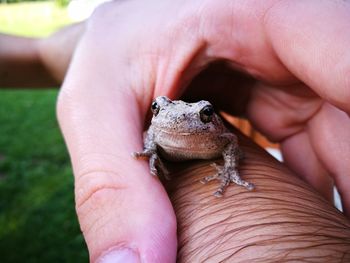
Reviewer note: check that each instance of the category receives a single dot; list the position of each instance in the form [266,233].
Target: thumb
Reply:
[124,213]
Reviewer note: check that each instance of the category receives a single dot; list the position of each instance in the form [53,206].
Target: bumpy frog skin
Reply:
[183,131]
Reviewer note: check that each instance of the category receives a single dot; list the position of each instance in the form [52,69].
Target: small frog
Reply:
[183,131]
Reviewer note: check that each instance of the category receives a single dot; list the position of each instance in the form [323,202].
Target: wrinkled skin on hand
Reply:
[295,91]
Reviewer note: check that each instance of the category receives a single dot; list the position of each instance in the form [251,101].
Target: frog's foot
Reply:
[141,155]
[210,177]
[147,155]
[156,165]
[235,178]
[226,176]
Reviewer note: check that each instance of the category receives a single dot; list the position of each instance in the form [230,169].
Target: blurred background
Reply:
[37,215]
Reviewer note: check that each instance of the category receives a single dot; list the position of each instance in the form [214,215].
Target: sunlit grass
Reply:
[32,19]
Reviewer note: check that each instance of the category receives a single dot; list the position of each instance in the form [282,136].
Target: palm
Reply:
[290,114]
[157,49]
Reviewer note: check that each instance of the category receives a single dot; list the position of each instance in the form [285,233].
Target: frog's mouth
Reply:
[187,152]
[177,133]
[200,142]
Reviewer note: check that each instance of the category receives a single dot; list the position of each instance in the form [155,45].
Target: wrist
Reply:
[283,217]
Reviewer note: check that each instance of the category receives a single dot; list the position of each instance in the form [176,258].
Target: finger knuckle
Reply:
[92,187]
[95,192]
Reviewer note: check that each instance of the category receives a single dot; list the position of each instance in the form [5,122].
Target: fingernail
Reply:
[117,255]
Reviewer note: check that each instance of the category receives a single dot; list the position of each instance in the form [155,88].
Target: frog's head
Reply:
[182,117]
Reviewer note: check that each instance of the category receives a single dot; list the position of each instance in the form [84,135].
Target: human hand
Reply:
[132,53]
[37,62]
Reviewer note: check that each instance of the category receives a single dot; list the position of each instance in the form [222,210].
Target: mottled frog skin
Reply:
[183,131]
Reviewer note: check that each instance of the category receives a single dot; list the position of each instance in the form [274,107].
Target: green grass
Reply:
[37,215]
[37,218]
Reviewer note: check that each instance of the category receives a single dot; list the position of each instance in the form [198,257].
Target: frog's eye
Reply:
[206,113]
[155,108]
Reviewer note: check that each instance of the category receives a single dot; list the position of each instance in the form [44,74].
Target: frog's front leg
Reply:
[228,173]
[149,152]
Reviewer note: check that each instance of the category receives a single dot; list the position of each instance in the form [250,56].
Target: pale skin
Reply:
[297,94]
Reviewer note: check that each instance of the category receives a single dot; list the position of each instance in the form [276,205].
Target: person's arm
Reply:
[132,53]
[21,64]
[282,220]
[33,62]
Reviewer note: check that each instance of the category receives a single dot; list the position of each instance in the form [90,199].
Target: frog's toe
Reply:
[218,168]
[140,155]
[153,171]
[136,155]
[209,178]
[237,180]
[225,181]
[218,193]
[250,186]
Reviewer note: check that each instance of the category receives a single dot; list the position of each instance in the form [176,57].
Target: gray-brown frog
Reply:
[183,131]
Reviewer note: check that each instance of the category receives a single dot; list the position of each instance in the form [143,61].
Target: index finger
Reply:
[312,39]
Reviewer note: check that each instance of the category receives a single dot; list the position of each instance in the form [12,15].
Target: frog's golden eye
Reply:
[206,114]
[155,108]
